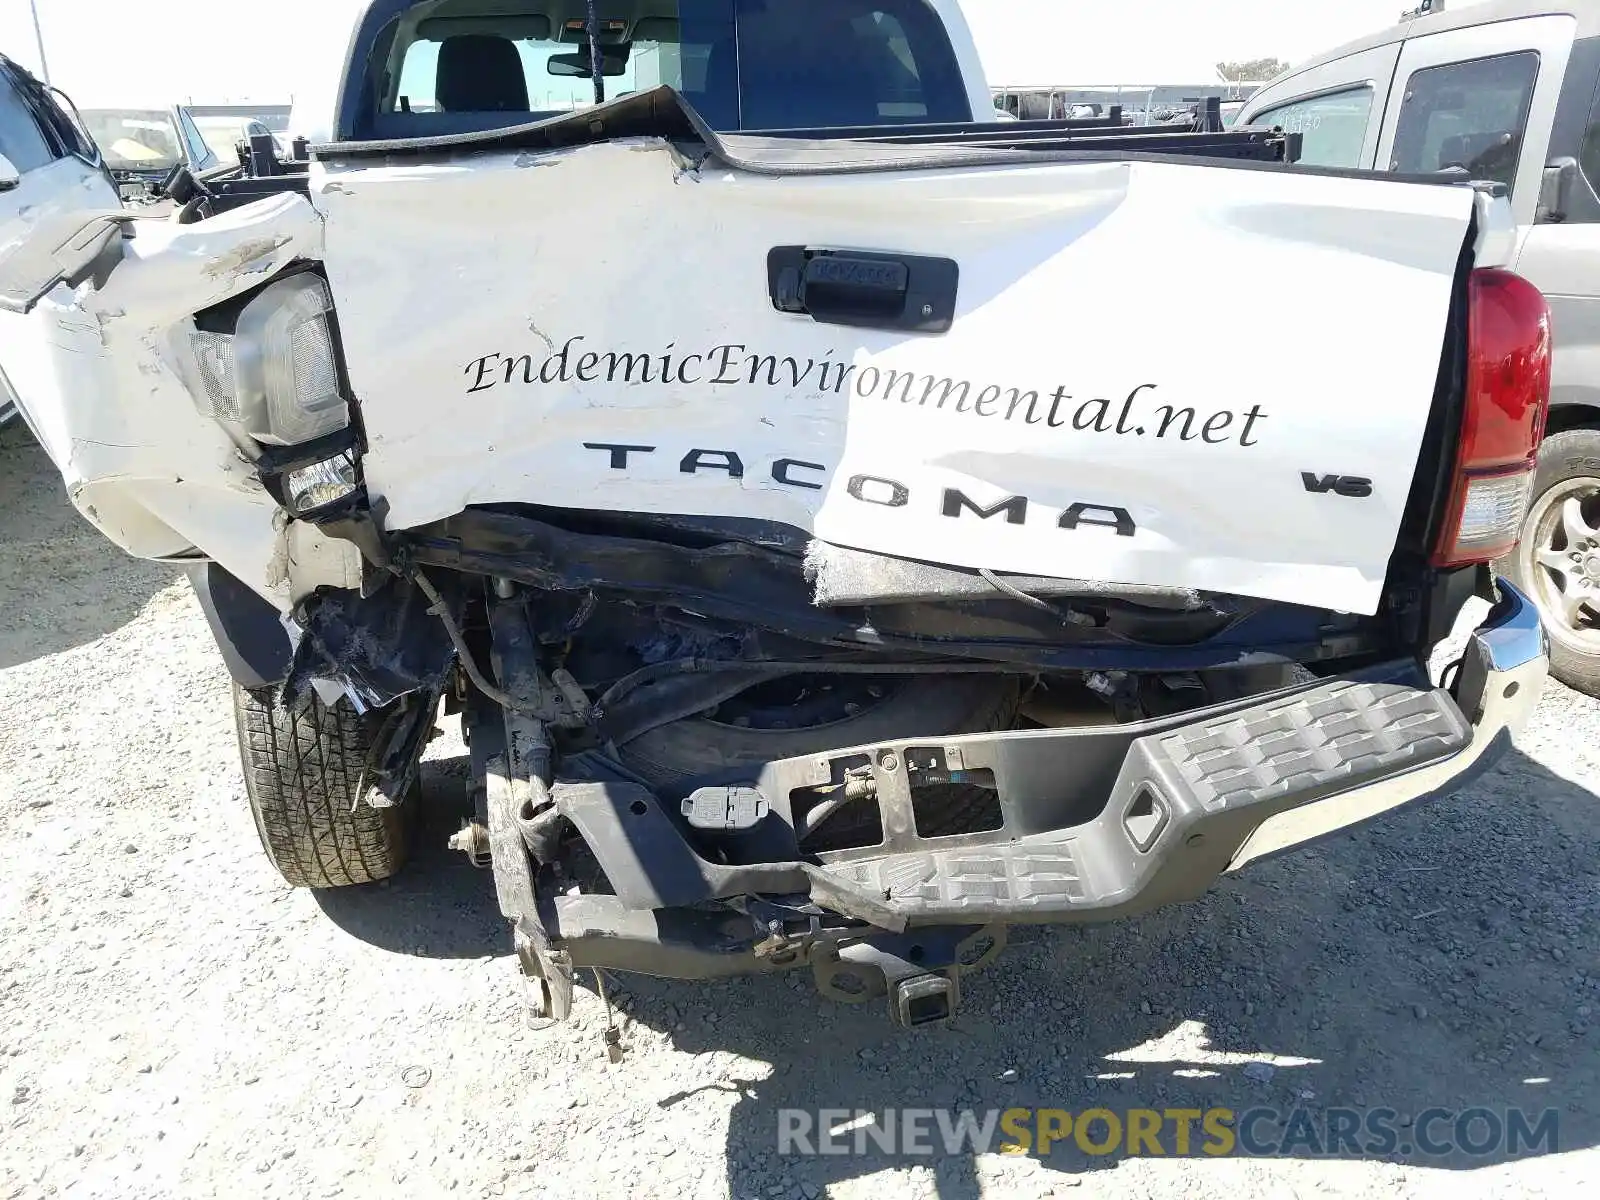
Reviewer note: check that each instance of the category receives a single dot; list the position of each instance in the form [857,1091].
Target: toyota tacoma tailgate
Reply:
[1017,366]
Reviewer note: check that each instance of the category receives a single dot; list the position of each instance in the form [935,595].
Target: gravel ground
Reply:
[176,1022]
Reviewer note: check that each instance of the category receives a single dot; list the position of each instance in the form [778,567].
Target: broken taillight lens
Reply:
[307,489]
[1508,398]
[284,361]
[277,373]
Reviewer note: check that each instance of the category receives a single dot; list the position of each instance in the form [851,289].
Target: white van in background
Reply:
[1507,91]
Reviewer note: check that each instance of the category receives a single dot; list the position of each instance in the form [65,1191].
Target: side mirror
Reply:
[9,176]
[577,66]
[1555,191]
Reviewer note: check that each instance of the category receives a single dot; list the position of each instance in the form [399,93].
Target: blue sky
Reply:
[217,51]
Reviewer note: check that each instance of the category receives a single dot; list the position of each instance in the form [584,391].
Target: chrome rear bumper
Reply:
[1501,677]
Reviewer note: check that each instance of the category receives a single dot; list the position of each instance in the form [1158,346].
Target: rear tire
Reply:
[303,773]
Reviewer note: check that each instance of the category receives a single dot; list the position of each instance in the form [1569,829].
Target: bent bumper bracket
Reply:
[1179,802]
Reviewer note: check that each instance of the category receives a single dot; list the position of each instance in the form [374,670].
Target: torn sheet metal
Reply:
[313,560]
[100,371]
[372,650]
[1081,419]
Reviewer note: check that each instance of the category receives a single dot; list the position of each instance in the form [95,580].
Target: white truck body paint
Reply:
[58,193]
[100,374]
[490,346]
[473,296]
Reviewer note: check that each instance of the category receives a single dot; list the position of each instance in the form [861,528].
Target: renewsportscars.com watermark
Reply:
[1172,1132]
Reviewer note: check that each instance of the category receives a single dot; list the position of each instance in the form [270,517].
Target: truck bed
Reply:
[663,112]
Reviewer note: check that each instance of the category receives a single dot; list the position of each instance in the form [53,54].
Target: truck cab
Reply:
[1507,91]
[456,66]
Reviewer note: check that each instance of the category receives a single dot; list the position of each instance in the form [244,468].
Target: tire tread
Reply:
[303,775]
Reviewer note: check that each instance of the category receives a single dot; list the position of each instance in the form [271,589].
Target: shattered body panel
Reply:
[152,471]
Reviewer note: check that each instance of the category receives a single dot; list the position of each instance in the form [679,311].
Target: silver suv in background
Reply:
[1507,91]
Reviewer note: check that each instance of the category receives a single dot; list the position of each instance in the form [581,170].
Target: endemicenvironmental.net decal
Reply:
[1139,412]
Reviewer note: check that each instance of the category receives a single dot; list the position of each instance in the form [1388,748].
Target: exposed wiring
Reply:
[706,666]
[464,652]
[1064,615]
[683,666]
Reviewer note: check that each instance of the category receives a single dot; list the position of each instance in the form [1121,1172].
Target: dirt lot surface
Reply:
[176,1022]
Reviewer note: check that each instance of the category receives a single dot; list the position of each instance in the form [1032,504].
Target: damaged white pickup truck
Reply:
[839,523]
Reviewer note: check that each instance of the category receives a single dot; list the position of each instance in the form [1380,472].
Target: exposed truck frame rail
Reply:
[1186,798]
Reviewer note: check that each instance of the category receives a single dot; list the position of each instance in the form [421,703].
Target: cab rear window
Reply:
[452,66]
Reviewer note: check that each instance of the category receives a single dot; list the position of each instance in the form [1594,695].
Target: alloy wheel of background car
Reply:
[1565,549]
[1558,560]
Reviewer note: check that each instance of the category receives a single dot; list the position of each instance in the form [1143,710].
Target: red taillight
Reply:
[1508,397]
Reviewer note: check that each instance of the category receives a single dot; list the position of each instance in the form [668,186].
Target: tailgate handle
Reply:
[868,289]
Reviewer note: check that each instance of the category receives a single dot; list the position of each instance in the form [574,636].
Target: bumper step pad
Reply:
[1336,738]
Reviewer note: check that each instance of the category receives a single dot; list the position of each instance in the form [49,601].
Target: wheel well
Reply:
[1566,417]
[254,644]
